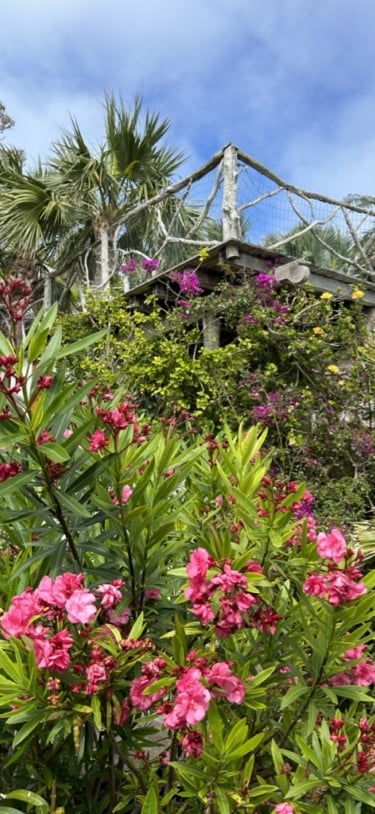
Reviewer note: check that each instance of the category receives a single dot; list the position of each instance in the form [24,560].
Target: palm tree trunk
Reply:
[102,259]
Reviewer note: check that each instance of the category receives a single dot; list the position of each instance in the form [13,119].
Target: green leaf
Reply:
[300,789]
[137,629]
[249,746]
[151,802]
[262,792]
[50,351]
[12,484]
[26,797]
[331,805]
[222,801]
[293,694]
[180,645]
[96,711]
[260,678]
[361,794]
[73,505]
[26,730]
[55,452]
[81,344]
[37,345]
[10,810]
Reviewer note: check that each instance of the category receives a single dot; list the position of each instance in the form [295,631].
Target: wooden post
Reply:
[211,332]
[230,214]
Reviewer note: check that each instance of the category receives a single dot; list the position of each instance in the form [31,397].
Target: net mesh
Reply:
[234,196]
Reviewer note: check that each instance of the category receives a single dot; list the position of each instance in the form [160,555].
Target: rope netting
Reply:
[233,196]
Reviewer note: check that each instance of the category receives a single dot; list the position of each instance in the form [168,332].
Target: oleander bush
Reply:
[178,634]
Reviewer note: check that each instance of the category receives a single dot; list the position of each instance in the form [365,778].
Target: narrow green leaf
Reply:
[81,344]
[10,810]
[73,505]
[260,678]
[137,628]
[26,797]
[96,711]
[293,694]
[25,731]
[249,746]
[55,452]
[151,802]
[37,345]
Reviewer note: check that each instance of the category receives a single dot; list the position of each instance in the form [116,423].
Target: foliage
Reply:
[176,636]
[5,121]
[289,359]
[70,213]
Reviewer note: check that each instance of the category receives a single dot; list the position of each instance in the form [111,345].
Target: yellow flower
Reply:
[326,295]
[318,330]
[333,369]
[357,294]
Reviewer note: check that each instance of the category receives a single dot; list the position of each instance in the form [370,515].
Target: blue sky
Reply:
[292,82]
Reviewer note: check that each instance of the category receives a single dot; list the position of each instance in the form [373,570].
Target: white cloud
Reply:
[289,82]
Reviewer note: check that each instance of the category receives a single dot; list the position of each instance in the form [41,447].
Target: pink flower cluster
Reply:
[9,470]
[15,295]
[336,585]
[366,751]
[46,616]
[220,596]
[192,691]
[273,495]
[10,381]
[362,674]
[188,282]
[146,264]
[119,418]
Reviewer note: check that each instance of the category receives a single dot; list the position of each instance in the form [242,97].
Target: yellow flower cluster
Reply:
[357,294]
[333,369]
[318,330]
[326,295]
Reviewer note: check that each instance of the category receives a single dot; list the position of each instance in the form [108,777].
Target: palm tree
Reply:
[324,246]
[70,214]
[131,166]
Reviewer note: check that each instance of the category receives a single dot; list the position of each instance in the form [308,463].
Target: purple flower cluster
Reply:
[188,282]
[265,281]
[277,405]
[145,264]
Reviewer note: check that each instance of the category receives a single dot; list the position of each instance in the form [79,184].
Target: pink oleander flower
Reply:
[9,470]
[52,653]
[121,716]
[341,588]
[363,674]
[220,675]
[331,546]
[336,586]
[80,606]
[191,701]
[199,564]
[137,697]
[56,592]
[126,493]
[192,744]
[118,618]
[355,652]
[283,808]
[152,593]
[96,675]
[45,382]
[110,595]
[17,620]
[98,441]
